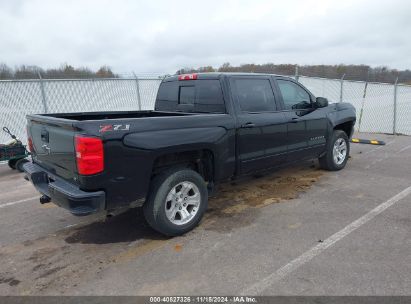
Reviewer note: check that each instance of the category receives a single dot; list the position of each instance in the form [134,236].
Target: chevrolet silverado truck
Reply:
[205,128]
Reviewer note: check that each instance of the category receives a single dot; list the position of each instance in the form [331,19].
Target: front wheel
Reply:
[177,201]
[338,150]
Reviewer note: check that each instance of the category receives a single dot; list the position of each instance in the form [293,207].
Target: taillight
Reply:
[30,144]
[29,140]
[89,155]
[187,77]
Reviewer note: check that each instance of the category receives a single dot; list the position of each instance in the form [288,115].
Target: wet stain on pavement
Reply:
[237,204]
[139,249]
[9,280]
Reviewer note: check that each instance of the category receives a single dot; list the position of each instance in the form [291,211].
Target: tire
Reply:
[12,163]
[20,163]
[174,214]
[328,161]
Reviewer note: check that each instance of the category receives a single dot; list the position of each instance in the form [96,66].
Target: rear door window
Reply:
[255,95]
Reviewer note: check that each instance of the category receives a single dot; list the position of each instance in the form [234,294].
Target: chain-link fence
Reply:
[21,97]
[380,107]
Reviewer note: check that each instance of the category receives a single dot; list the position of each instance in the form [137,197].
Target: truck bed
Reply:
[52,136]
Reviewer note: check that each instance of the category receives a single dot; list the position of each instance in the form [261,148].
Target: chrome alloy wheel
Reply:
[182,203]
[339,151]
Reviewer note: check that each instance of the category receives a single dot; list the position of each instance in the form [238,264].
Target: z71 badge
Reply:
[111,128]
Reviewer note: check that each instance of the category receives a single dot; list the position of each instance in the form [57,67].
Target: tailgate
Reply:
[53,143]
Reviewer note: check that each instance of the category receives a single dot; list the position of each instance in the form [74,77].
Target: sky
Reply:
[162,36]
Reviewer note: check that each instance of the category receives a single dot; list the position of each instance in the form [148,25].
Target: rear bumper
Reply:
[63,193]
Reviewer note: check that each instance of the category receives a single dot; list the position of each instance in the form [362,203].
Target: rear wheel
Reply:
[177,201]
[20,163]
[12,163]
[338,150]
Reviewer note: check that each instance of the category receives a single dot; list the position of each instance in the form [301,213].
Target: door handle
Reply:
[248,125]
[294,120]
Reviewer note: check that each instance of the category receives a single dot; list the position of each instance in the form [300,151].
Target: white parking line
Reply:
[403,149]
[18,202]
[279,274]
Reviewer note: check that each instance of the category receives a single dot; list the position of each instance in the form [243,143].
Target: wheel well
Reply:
[201,161]
[347,127]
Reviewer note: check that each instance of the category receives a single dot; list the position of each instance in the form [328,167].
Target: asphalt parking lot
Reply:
[296,231]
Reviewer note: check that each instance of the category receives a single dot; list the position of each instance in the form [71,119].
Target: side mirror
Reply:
[321,102]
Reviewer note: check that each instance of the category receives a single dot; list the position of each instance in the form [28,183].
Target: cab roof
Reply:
[218,75]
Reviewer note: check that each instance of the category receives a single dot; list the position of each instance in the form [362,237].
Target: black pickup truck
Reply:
[205,128]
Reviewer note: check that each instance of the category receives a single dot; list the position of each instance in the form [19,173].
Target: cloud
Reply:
[162,36]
